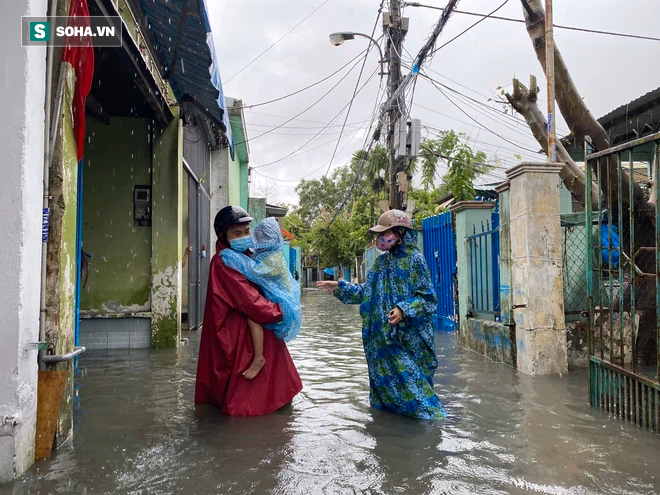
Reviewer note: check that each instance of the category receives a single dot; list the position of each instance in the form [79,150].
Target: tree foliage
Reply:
[334,213]
[463,164]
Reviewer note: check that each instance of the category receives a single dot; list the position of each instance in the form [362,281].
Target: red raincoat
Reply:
[226,348]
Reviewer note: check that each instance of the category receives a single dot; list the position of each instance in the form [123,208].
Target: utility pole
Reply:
[550,78]
[396,35]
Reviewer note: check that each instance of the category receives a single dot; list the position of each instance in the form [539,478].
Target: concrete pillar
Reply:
[466,215]
[219,185]
[505,252]
[166,232]
[22,86]
[536,269]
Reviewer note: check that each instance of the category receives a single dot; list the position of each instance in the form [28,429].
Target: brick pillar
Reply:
[536,269]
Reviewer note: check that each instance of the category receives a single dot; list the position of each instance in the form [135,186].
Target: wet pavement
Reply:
[137,430]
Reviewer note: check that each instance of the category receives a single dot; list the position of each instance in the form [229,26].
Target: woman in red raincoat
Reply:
[226,346]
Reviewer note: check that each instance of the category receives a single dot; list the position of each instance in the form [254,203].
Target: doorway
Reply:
[197,223]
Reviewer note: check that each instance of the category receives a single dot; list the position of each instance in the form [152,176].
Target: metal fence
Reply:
[440,254]
[574,259]
[623,275]
[484,264]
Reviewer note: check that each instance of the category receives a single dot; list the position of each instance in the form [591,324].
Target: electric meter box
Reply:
[142,206]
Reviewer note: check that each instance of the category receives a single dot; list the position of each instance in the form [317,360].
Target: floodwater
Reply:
[137,430]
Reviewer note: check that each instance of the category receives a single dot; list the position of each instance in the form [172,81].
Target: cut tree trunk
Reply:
[577,115]
[524,101]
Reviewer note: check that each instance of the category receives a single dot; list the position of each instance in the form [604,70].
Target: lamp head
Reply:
[338,38]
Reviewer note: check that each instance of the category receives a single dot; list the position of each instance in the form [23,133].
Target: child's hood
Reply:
[267,236]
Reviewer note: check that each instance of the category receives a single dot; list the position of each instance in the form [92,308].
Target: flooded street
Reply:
[137,430]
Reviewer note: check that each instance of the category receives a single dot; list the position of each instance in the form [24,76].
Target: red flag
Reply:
[81,59]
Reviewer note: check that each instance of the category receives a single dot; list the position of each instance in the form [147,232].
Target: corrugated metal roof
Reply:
[633,120]
[194,74]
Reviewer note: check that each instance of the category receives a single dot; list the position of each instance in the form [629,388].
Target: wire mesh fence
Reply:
[574,256]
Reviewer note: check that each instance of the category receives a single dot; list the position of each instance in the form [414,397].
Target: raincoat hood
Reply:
[408,244]
[267,236]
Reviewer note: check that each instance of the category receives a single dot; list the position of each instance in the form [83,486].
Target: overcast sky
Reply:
[488,56]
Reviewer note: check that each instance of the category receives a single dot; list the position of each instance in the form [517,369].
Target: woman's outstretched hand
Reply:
[328,286]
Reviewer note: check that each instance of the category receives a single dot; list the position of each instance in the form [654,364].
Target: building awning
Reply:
[276,211]
[182,33]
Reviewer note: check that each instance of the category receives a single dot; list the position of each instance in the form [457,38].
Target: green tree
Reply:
[347,197]
[375,172]
[463,164]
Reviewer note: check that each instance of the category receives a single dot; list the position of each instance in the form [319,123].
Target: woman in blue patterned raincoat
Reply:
[397,304]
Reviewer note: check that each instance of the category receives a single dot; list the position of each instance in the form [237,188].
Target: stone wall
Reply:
[491,339]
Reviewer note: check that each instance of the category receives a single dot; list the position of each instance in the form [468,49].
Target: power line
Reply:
[353,124]
[478,143]
[322,130]
[296,134]
[304,111]
[425,52]
[357,84]
[501,115]
[271,46]
[558,26]
[476,121]
[515,143]
[313,171]
[469,28]
[303,89]
[496,118]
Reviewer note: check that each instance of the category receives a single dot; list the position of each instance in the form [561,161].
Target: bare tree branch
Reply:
[524,101]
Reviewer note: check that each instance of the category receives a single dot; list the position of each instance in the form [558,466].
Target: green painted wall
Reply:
[245,186]
[185,243]
[120,268]
[286,250]
[167,235]
[239,180]
[257,210]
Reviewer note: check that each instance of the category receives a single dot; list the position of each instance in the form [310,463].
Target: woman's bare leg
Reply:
[257,332]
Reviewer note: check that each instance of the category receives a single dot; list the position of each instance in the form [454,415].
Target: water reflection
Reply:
[137,430]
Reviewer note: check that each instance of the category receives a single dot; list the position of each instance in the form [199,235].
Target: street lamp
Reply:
[338,39]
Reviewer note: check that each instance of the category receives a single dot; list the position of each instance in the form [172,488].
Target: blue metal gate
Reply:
[293,261]
[484,264]
[440,254]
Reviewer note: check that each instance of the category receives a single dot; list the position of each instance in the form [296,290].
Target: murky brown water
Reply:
[137,431]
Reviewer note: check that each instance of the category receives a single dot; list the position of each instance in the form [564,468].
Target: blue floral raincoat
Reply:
[401,358]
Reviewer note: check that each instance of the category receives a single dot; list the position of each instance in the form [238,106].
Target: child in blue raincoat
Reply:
[268,269]
[397,304]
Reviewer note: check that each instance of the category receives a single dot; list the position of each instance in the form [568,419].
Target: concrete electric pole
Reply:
[395,31]
[550,78]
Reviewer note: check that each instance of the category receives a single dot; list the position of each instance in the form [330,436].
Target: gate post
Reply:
[536,269]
